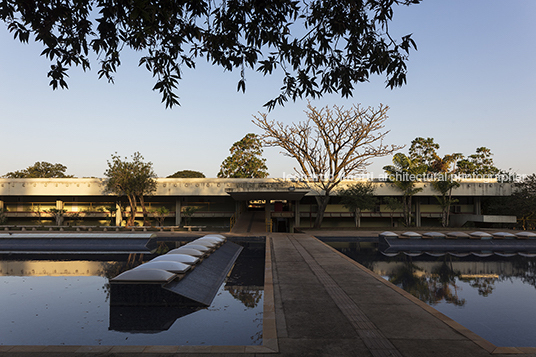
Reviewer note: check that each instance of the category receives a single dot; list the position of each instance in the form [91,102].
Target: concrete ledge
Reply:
[32,349]
[94,349]
[61,349]
[269,329]
[128,349]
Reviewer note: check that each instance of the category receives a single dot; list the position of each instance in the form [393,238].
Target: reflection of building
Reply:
[217,202]
[51,268]
[474,269]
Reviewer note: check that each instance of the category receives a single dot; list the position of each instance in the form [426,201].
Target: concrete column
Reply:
[178,211]
[118,215]
[417,212]
[238,209]
[478,205]
[267,212]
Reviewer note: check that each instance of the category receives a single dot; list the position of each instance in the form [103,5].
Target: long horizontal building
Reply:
[217,203]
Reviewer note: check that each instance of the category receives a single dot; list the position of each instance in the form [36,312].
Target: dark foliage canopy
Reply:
[40,169]
[245,159]
[319,46]
[187,174]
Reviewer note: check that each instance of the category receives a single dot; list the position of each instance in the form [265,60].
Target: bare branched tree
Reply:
[331,145]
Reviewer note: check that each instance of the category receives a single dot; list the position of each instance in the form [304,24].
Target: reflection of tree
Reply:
[257,336]
[483,285]
[525,269]
[442,280]
[432,289]
[406,279]
[250,298]
[112,269]
[363,253]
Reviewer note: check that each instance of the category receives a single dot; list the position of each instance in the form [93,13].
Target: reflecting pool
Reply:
[66,302]
[493,296]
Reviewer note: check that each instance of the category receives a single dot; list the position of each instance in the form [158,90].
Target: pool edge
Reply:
[475,338]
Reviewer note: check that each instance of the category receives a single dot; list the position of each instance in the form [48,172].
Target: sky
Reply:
[471,83]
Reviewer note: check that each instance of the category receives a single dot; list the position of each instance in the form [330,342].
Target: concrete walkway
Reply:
[318,302]
[328,305]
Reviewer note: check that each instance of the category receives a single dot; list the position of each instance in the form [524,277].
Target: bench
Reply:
[199,228]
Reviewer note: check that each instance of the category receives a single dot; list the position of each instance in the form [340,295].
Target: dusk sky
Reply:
[471,83]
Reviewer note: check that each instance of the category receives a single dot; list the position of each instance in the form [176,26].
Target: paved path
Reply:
[328,305]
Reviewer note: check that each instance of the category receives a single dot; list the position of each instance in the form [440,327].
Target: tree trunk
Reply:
[449,202]
[357,217]
[444,216]
[322,202]
[144,210]
[407,210]
[133,209]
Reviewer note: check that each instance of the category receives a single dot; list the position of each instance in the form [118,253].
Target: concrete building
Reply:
[218,203]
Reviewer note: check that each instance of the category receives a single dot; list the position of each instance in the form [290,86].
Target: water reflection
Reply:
[492,296]
[67,302]
[146,319]
[430,287]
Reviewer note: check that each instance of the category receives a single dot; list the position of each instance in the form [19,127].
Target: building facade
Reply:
[217,203]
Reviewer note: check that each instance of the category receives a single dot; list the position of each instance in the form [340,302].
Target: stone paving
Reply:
[328,305]
[320,303]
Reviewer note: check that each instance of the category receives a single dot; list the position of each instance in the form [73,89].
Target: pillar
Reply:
[417,212]
[296,214]
[178,211]
[267,214]
[238,209]
[118,215]
[59,204]
[478,205]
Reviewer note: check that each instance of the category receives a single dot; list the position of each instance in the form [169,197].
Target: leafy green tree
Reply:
[160,214]
[245,160]
[133,179]
[393,204]
[441,169]
[318,47]
[112,213]
[332,144]
[358,197]
[444,183]
[479,164]
[188,212]
[59,215]
[404,173]
[41,170]
[522,203]
[187,174]
[423,151]
[445,200]
[3,216]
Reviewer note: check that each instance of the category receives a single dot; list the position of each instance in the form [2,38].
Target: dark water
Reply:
[494,296]
[66,302]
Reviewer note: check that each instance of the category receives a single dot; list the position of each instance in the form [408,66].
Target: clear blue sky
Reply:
[471,83]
